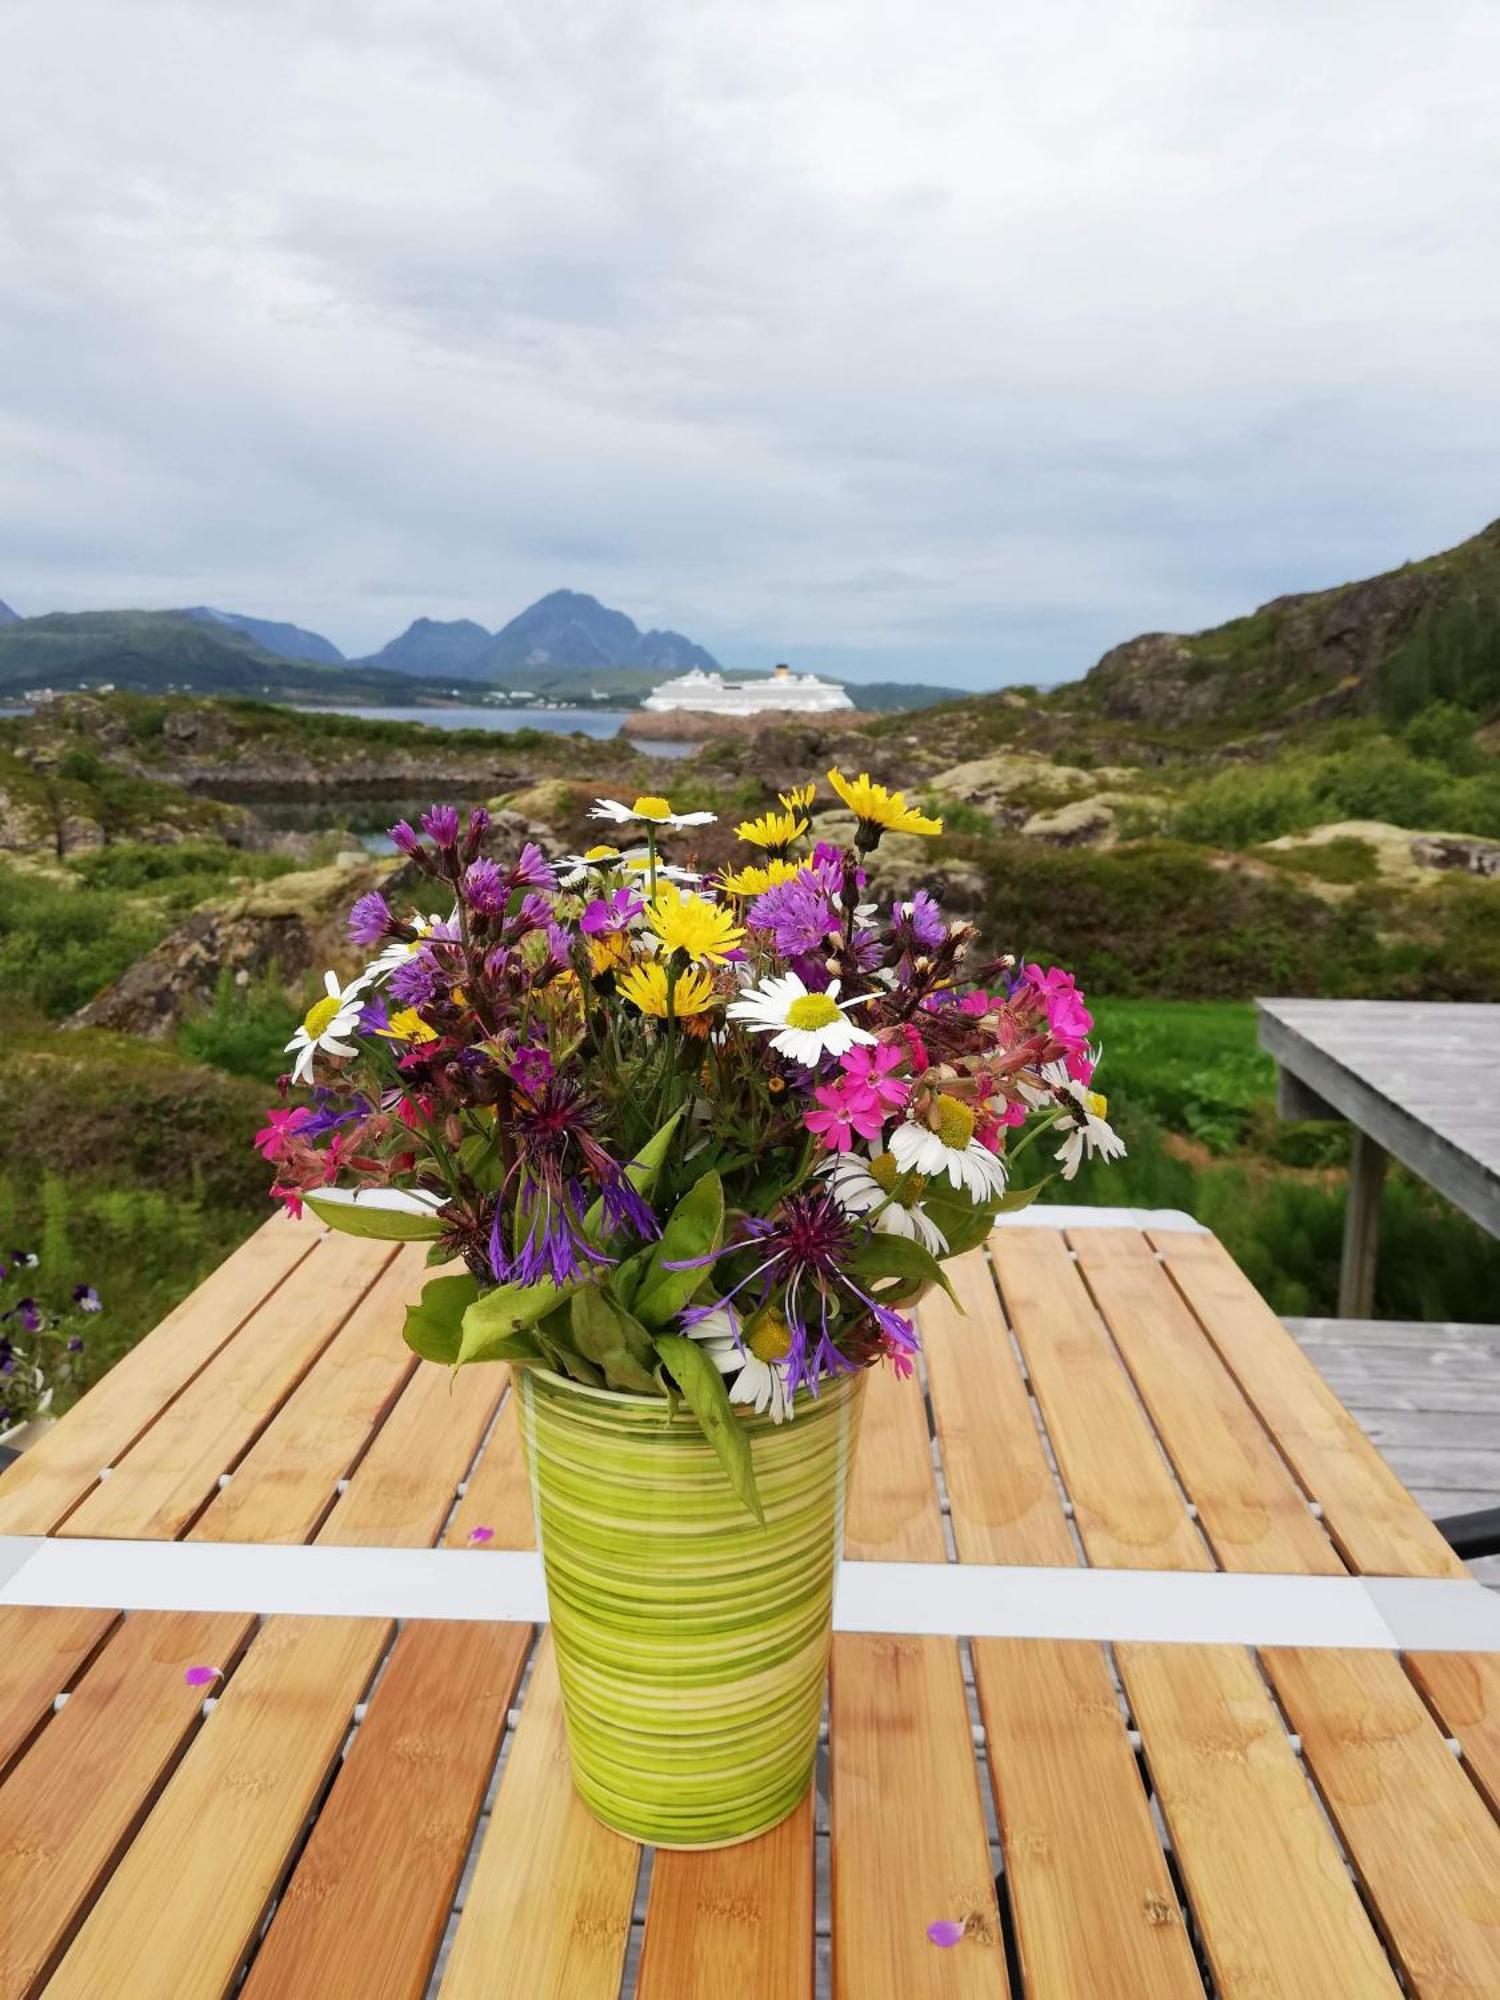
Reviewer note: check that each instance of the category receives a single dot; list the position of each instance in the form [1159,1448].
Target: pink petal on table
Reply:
[481,1534]
[197,1677]
[945,1932]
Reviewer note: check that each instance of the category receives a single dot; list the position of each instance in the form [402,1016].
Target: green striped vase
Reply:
[692,1643]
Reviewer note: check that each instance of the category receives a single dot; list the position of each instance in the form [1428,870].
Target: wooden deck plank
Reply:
[1275,1906]
[288,1479]
[165,1479]
[894,1514]
[364,1913]
[908,1837]
[181,1908]
[42,1651]
[547,1916]
[1094,1904]
[1003,1501]
[498,1496]
[60,1468]
[733,1920]
[1374,1521]
[1249,1506]
[1417,1831]
[1126,1506]
[73,1803]
[1463,1691]
[403,1488]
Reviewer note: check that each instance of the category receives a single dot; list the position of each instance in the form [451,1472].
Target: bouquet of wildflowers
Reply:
[40,1348]
[693,1137]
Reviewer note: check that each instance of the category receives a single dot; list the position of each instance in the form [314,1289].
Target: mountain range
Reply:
[564,630]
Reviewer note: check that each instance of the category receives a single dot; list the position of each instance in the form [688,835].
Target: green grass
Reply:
[1191,1094]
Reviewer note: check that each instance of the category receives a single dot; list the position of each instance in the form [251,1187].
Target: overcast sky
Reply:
[958,340]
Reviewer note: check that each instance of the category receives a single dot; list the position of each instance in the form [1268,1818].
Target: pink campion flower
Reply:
[275,1137]
[916,1049]
[846,1112]
[946,1933]
[1069,1020]
[608,914]
[1081,1064]
[197,1677]
[870,1070]
[290,1200]
[481,1535]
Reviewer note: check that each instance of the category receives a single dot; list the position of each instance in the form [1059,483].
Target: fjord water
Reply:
[490,716]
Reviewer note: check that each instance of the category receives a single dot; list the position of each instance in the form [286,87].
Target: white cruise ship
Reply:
[781,692]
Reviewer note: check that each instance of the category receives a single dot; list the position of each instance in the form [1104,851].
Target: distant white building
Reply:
[781,692]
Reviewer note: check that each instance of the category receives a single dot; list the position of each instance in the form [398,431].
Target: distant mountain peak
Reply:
[7,616]
[567,631]
[287,642]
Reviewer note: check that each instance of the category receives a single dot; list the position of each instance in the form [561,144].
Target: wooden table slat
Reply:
[497,1496]
[1376,1524]
[181,1909]
[42,1650]
[60,1468]
[1275,1906]
[367,1905]
[1003,1501]
[158,1487]
[1463,1690]
[908,1838]
[734,1921]
[1249,1506]
[547,1916]
[74,1803]
[288,1479]
[1094,1904]
[1125,1503]
[1420,1835]
[893,1513]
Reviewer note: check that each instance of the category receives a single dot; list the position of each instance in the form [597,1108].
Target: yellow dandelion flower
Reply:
[610,952]
[407,1025]
[799,798]
[693,924]
[774,831]
[756,881]
[645,986]
[879,811]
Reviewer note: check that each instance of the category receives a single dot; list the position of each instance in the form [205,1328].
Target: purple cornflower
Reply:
[415,983]
[626,1208]
[86,1299]
[329,1112]
[370,920]
[918,925]
[405,838]
[485,889]
[440,823]
[611,913]
[805,1252]
[555,1147]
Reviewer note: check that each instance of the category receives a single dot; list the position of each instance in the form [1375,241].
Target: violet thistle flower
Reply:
[406,840]
[918,925]
[440,823]
[415,984]
[532,869]
[370,921]
[484,888]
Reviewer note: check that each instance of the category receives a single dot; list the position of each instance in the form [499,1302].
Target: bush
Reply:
[244,1032]
[59,945]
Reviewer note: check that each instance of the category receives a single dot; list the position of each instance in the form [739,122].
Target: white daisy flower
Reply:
[803,1026]
[335,1015]
[653,811]
[575,869]
[950,1148]
[860,1185]
[399,950]
[1091,1135]
[758,1379]
[638,862]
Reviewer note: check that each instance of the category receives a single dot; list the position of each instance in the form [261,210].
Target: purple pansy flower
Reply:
[86,1298]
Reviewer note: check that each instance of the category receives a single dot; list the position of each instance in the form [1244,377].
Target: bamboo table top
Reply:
[379,1806]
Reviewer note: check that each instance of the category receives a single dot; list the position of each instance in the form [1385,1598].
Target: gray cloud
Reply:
[962,341]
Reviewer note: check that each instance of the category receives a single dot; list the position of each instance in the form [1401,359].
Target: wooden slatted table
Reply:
[379,1806]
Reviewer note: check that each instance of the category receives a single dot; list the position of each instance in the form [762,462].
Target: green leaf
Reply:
[493,1321]
[703,1387]
[641,1172]
[613,1340]
[479,1157]
[694,1230]
[359,1214]
[434,1323]
[882,1255]
[965,1223]
[1019,1198]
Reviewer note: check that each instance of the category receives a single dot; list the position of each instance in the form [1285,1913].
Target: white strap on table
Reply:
[972,1600]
